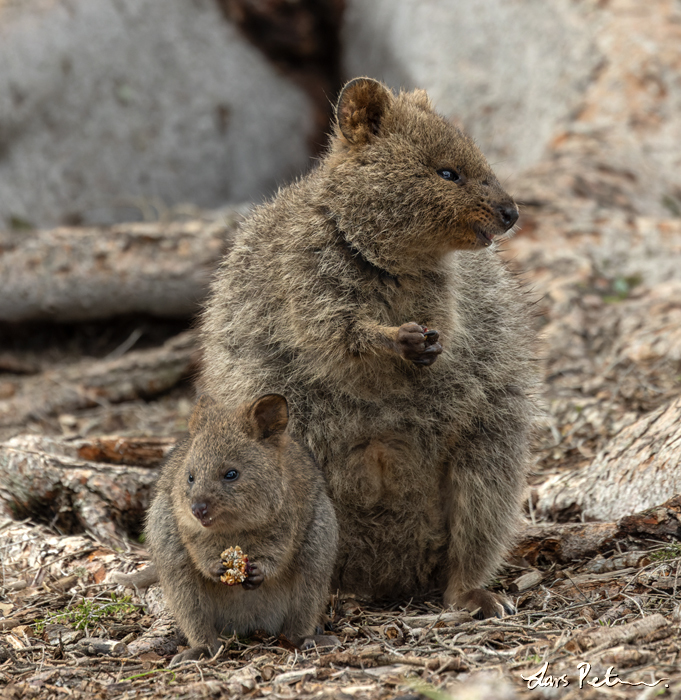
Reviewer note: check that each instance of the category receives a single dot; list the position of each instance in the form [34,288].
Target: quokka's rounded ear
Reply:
[200,413]
[268,416]
[361,108]
[421,99]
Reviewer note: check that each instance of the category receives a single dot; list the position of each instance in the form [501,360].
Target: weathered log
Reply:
[526,581]
[638,468]
[564,542]
[39,480]
[138,374]
[660,521]
[606,636]
[93,646]
[77,274]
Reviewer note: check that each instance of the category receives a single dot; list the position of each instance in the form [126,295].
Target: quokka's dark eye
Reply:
[190,479]
[449,174]
[232,475]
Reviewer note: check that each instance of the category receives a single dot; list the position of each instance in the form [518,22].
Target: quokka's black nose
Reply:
[508,214]
[200,510]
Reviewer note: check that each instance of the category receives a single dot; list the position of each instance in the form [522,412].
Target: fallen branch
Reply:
[142,578]
[92,646]
[78,274]
[369,658]
[138,374]
[564,542]
[605,637]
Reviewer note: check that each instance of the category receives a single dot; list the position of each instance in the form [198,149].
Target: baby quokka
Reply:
[239,479]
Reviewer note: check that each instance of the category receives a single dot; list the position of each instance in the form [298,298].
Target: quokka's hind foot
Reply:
[193,654]
[320,641]
[483,604]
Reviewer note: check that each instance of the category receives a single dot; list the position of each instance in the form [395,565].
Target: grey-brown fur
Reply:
[319,301]
[277,511]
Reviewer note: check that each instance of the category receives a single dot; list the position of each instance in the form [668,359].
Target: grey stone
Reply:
[109,104]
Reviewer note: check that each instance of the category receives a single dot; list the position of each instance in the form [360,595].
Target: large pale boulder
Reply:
[106,103]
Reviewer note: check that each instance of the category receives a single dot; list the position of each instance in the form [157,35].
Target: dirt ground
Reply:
[616,611]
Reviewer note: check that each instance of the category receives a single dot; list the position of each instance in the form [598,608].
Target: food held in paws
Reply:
[236,563]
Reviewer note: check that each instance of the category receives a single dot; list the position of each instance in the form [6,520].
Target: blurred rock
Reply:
[510,72]
[107,106]
[302,39]
[621,148]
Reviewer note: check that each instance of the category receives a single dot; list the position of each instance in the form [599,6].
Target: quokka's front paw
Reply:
[254,576]
[418,344]
[216,570]
[483,604]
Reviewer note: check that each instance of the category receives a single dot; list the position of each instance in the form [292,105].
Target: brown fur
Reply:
[277,511]
[324,298]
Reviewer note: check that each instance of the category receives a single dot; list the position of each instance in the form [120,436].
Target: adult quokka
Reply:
[371,295]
